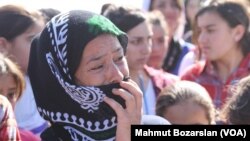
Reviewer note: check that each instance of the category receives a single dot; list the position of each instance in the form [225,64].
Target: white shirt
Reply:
[149,99]
[26,112]
[187,61]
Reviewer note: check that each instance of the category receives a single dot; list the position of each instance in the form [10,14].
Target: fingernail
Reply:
[105,98]
[114,90]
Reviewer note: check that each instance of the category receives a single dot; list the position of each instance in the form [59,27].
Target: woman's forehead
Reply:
[209,18]
[101,45]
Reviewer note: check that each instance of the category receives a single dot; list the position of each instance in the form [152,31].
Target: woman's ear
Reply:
[4,45]
[239,31]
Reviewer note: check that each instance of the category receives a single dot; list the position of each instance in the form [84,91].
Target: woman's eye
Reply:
[119,59]
[97,68]
[136,42]
[210,30]
[11,95]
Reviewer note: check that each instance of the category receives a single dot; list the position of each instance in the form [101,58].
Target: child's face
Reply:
[20,46]
[8,88]
[159,47]
[171,11]
[186,113]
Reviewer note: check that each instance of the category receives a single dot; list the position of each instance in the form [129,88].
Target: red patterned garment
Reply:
[204,74]
[8,126]
[160,78]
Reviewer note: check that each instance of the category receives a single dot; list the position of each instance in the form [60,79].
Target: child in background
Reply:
[186,103]
[173,11]
[237,108]
[19,25]
[223,37]
[11,86]
[8,125]
[160,39]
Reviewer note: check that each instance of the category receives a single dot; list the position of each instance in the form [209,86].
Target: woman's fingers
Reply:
[133,89]
[133,100]
[119,110]
[123,119]
[129,98]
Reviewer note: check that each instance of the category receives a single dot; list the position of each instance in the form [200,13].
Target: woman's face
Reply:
[139,46]
[103,62]
[159,47]
[186,113]
[8,88]
[193,7]
[170,10]
[20,46]
[215,38]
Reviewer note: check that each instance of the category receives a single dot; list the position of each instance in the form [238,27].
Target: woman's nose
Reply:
[201,38]
[114,74]
[147,47]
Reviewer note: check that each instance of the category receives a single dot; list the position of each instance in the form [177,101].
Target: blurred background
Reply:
[65,5]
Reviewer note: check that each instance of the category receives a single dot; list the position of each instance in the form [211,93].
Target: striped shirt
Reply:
[204,74]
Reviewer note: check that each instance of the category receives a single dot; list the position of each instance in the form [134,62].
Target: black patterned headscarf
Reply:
[75,112]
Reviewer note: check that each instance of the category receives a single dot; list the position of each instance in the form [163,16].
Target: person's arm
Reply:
[133,112]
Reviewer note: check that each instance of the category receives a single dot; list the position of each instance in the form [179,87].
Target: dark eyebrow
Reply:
[99,57]
[210,25]
[12,89]
[117,50]
[140,37]
[135,38]
[95,58]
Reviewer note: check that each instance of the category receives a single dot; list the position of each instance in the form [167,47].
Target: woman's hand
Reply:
[132,114]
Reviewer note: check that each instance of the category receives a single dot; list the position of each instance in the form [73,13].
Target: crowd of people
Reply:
[80,75]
